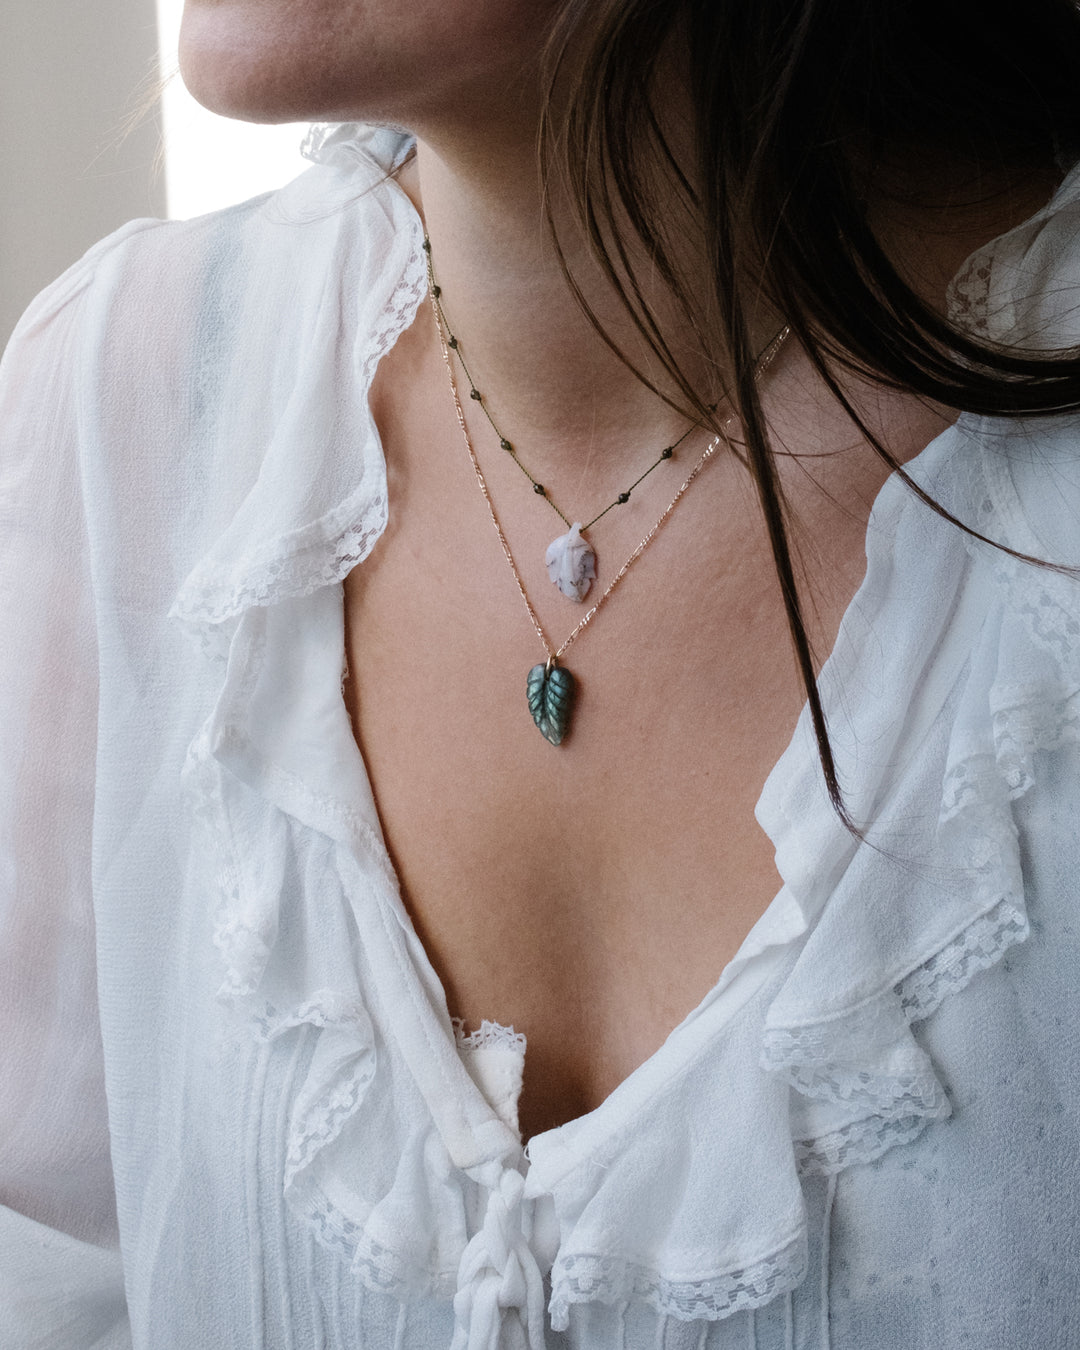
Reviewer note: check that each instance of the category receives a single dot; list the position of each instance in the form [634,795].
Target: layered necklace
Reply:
[570,559]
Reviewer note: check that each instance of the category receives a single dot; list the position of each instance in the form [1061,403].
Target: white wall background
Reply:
[70,72]
[210,161]
[72,75]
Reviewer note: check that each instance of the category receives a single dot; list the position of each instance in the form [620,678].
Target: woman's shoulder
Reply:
[1022,290]
[1030,473]
[1013,484]
[342,224]
[221,363]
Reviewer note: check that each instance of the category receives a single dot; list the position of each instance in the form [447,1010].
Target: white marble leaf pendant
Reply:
[571,563]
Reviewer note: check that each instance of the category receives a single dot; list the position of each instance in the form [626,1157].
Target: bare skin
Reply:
[589,895]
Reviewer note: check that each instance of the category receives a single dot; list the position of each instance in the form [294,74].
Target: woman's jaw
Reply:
[420,65]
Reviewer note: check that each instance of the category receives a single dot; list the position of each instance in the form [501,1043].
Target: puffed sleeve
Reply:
[61,1281]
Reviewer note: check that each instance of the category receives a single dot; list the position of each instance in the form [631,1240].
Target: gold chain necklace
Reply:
[549,686]
[570,559]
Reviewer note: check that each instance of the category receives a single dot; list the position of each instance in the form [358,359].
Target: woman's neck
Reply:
[548,377]
[545,372]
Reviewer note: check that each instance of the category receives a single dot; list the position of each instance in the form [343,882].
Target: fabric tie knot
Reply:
[499,1281]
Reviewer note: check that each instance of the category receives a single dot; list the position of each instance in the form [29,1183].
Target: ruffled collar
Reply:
[312,514]
[1005,292]
[289,542]
[395,1156]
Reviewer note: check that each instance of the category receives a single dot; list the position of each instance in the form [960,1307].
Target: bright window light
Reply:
[212,161]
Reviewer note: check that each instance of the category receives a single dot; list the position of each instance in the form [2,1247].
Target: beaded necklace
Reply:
[571,558]
[549,686]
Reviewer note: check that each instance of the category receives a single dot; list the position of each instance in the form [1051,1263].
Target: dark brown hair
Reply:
[792,106]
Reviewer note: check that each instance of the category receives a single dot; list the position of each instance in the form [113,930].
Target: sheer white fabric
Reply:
[235,1109]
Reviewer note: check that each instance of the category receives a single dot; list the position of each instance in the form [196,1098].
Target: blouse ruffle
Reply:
[954,667]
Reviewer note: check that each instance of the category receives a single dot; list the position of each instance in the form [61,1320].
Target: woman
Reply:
[806,1084]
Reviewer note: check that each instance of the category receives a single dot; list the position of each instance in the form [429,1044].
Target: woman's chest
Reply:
[589,894]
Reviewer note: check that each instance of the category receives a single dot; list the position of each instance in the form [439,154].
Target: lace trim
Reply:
[212,598]
[490,1034]
[1036,720]
[324,1115]
[1045,601]
[384,1271]
[860,1142]
[243,942]
[891,1096]
[378,1267]
[1052,626]
[587,1278]
[1033,716]
[821,1061]
[212,594]
[980,946]
[244,938]
[828,1060]
[969,297]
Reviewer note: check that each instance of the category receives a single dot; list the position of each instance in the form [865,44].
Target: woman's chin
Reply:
[240,70]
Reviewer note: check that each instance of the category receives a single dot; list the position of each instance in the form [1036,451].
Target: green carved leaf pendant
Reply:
[551,700]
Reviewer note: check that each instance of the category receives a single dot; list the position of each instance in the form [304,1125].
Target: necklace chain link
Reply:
[554,654]
[505,443]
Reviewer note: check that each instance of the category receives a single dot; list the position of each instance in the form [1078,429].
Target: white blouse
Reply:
[235,1112]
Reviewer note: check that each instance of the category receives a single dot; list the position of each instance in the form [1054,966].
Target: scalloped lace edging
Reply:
[384,1271]
[243,939]
[575,1279]
[586,1278]
[1028,717]
[1039,720]
[489,1034]
[859,1142]
[1053,624]
[211,598]
[297,567]
[980,945]
[968,296]
[892,1097]
[375,1265]
[325,1121]
[828,1062]
[378,1267]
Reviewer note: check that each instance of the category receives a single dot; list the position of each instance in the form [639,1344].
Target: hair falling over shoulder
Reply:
[795,115]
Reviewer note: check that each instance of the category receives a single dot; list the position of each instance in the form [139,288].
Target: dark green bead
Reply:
[666,454]
[476,394]
[427,244]
[623,498]
[451,341]
[506,445]
[539,489]
[436,291]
